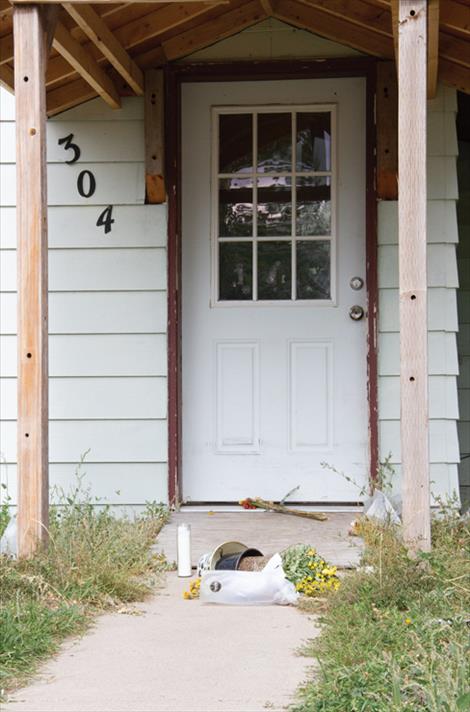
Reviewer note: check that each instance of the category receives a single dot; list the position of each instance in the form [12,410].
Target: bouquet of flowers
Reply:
[306,569]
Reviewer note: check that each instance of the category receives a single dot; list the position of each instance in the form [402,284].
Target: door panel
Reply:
[273,231]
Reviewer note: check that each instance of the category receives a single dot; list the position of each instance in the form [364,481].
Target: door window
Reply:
[274,205]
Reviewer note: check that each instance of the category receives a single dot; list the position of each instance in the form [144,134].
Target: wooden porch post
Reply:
[30,39]
[412,71]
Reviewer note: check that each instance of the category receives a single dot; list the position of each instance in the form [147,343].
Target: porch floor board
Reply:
[267,531]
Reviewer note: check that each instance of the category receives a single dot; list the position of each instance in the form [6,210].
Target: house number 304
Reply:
[86,182]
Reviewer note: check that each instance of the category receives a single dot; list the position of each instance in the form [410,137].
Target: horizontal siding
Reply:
[119,483]
[96,312]
[107,440]
[442,354]
[121,183]
[442,266]
[95,270]
[96,355]
[75,227]
[441,222]
[98,141]
[443,398]
[442,310]
[107,308]
[443,324]
[98,398]
[443,441]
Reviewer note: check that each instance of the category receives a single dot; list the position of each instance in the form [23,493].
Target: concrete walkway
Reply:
[183,656]
[177,656]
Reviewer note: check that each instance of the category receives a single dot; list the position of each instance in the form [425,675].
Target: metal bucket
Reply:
[231,562]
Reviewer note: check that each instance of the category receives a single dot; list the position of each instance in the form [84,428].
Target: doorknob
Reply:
[356,312]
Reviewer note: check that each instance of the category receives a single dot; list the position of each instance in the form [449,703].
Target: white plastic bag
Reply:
[8,544]
[249,588]
[380,507]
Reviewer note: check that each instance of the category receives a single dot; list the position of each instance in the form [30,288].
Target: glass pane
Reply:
[313,269]
[313,211]
[235,270]
[235,207]
[235,143]
[274,270]
[313,142]
[274,143]
[274,207]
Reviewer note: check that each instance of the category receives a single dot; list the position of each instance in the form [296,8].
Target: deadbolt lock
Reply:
[356,283]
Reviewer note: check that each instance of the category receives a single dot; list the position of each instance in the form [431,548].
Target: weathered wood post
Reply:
[30,42]
[412,91]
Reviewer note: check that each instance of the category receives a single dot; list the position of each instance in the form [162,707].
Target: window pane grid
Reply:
[281,190]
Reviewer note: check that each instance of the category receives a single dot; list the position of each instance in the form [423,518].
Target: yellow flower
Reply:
[407,621]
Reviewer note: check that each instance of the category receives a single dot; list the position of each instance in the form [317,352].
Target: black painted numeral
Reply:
[67,143]
[90,188]
[106,219]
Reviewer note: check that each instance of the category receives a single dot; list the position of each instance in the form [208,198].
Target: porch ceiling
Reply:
[103,48]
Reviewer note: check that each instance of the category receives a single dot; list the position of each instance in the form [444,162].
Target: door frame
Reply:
[177,75]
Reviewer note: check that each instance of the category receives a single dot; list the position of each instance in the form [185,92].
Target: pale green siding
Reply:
[443,321]
[107,322]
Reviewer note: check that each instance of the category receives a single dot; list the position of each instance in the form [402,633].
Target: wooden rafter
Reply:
[359,13]
[85,65]
[267,7]
[102,37]
[98,2]
[69,95]
[454,75]
[433,46]
[334,28]
[225,25]
[7,77]
[455,18]
[137,31]
[6,49]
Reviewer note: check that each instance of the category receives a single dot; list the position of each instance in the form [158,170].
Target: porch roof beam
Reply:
[335,28]
[143,29]
[225,25]
[412,251]
[85,65]
[101,2]
[7,78]
[30,33]
[102,37]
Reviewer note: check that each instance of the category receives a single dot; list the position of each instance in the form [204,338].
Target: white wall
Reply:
[108,387]
[443,322]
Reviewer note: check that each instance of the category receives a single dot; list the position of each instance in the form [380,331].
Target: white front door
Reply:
[273,259]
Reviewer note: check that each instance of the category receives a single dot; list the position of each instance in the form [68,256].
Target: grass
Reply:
[95,561]
[395,637]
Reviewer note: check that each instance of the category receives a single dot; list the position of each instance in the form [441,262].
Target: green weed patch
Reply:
[396,636]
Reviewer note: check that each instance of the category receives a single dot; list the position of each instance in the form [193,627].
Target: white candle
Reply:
[184,550]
